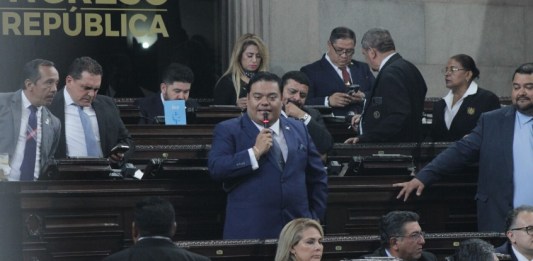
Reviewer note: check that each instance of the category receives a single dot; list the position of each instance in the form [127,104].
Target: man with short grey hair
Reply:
[519,226]
[393,111]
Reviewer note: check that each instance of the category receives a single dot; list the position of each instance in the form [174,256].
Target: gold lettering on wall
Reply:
[94,18]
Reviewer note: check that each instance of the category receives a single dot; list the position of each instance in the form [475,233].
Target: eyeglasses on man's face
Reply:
[415,236]
[451,70]
[528,229]
[340,51]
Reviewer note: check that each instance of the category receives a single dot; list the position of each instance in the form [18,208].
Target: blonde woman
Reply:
[300,240]
[249,56]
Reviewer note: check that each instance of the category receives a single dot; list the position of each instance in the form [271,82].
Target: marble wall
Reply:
[496,33]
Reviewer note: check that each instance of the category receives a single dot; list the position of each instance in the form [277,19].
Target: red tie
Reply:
[345,76]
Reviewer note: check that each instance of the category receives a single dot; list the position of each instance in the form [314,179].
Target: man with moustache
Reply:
[268,164]
[92,123]
[402,237]
[294,90]
[335,72]
[30,133]
[502,144]
[175,84]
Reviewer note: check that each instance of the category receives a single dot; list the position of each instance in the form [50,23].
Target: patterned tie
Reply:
[27,169]
[345,76]
[276,152]
[90,138]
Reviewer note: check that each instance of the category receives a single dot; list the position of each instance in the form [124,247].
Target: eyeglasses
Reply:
[528,229]
[451,70]
[340,52]
[415,236]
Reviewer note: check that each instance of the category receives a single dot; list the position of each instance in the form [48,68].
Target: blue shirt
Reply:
[523,160]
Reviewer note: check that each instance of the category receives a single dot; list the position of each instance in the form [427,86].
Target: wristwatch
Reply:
[305,117]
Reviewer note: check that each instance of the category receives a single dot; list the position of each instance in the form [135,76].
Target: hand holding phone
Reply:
[352,89]
[120,148]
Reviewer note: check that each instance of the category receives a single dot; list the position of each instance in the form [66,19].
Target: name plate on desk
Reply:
[175,112]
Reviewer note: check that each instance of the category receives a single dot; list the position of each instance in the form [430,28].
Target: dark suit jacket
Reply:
[491,144]
[325,81]
[10,117]
[465,119]
[318,131]
[110,126]
[426,256]
[151,106]
[151,249]
[507,249]
[393,111]
[265,199]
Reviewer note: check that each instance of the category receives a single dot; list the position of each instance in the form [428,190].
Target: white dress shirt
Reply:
[278,135]
[451,110]
[75,136]
[18,156]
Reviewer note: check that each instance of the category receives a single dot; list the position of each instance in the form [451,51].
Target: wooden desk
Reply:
[335,247]
[201,115]
[73,220]
[87,220]
[171,135]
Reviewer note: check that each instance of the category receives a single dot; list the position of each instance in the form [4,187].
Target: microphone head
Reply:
[265,119]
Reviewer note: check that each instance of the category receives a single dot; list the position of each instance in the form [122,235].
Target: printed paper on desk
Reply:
[175,112]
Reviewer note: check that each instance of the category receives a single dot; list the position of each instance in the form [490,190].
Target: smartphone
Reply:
[120,148]
[354,88]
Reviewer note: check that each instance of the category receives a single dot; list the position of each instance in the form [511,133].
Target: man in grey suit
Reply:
[294,90]
[92,123]
[16,108]
[502,143]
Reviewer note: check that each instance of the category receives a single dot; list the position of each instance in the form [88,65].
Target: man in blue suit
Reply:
[502,143]
[269,166]
[332,75]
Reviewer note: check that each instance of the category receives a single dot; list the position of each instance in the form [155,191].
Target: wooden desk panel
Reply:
[335,247]
[91,219]
[85,220]
[171,135]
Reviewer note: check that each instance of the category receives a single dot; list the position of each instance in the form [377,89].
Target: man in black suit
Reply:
[294,90]
[335,72]
[175,84]
[519,226]
[402,237]
[393,110]
[92,123]
[154,224]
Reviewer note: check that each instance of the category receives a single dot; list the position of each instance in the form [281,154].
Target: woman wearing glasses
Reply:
[455,115]
[249,56]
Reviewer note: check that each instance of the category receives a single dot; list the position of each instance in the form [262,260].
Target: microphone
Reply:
[265,119]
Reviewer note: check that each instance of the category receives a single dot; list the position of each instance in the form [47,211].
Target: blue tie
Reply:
[276,152]
[90,138]
[27,169]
